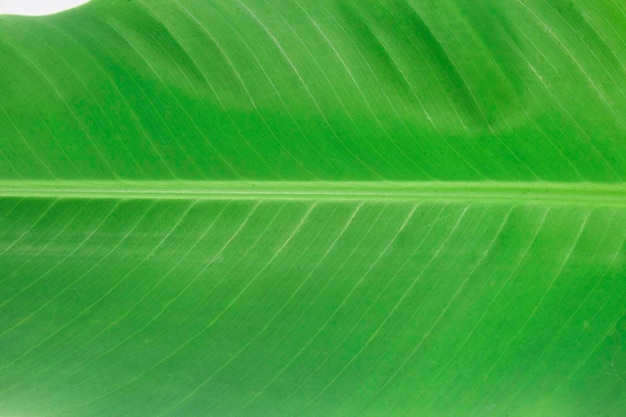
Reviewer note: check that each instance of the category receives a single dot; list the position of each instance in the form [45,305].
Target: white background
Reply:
[37,7]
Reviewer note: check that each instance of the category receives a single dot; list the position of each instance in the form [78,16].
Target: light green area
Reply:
[185,307]
[244,208]
[569,194]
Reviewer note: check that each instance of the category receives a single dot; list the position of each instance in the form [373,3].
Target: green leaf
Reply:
[336,208]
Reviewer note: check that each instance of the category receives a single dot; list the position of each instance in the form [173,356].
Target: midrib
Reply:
[492,192]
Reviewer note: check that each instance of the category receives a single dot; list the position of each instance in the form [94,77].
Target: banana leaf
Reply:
[335,208]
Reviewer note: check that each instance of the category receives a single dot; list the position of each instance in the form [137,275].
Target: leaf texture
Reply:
[336,90]
[338,208]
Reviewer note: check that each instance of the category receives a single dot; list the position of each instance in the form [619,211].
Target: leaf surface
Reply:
[335,208]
